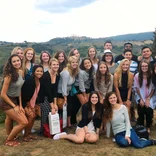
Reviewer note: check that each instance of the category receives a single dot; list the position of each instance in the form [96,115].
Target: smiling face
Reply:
[45,57]
[146,53]
[112,99]
[38,72]
[16,62]
[91,53]
[54,66]
[74,63]
[144,67]
[94,99]
[29,55]
[108,57]
[20,53]
[87,64]
[128,55]
[125,66]
[76,53]
[61,57]
[102,69]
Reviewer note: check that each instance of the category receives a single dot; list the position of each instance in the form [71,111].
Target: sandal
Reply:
[27,139]
[33,137]
[11,143]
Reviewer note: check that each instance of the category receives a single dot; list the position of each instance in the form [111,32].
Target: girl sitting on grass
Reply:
[118,117]
[88,128]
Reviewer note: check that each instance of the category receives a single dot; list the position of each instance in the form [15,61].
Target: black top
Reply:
[85,120]
[124,89]
[48,89]
[28,90]
[120,57]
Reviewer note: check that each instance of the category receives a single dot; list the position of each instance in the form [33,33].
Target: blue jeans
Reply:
[135,140]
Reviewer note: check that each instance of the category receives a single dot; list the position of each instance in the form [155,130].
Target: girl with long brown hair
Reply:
[144,93]
[10,101]
[117,116]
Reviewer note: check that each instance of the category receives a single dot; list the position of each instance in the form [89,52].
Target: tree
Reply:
[154,44]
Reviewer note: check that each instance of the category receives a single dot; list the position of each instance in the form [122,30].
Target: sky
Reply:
[42,20]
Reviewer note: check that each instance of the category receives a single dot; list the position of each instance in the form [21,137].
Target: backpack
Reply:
[141,131]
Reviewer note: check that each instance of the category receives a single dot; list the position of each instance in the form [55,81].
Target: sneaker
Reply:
[57,136]
[33,130]
[113,140]
[153,141]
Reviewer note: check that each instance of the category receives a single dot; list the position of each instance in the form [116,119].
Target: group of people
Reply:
[103,85]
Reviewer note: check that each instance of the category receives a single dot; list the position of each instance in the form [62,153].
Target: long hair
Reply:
[14,51]
[98,106]
[91,70]
[72,72]
[25,52]
[108,110]
[119,72]
[95,60]
[71,52]
[42,52]
[107,75]
[9,70]
[64,63]
[148,75]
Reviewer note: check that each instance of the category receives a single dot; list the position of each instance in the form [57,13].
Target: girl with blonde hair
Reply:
[67,79]
[123,81]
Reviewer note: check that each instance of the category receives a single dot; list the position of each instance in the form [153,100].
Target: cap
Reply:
[107,51]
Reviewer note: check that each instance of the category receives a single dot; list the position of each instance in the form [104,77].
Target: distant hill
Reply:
[126,37]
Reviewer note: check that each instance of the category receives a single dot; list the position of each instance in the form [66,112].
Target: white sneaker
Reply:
[33,130]
[57,136]
[113,140]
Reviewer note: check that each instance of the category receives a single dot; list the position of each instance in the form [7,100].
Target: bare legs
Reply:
[80,136]
[21,123]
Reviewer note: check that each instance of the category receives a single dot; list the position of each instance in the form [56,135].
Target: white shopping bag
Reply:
[64,115]
[54,123]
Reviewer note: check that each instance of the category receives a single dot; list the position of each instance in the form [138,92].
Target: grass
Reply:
[46,146]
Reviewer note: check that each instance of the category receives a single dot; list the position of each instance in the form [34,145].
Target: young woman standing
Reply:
[67,79]
[10,101]
[103,80]
[123,80]
[144,90]
[85,79]
[48,92]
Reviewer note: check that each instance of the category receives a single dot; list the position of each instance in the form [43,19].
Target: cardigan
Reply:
[85,120]
[47,89]
[28,90]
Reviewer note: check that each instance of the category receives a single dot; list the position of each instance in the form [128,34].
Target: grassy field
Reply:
[46,147]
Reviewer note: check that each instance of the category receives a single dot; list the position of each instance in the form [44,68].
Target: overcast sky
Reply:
[42,20]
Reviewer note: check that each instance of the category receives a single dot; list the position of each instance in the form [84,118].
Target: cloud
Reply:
[60,6]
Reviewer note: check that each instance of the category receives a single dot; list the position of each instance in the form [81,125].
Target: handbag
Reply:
[60,102]
[141,131]
[73,91]
[46,131]
[54,123]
